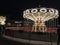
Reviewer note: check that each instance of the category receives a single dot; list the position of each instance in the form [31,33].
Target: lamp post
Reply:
[2,23]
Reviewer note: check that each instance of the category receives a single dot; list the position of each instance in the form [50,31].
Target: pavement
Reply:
[4,41]
[28,42]
[11,39]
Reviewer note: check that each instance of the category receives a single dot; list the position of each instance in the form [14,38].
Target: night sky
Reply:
[15,8]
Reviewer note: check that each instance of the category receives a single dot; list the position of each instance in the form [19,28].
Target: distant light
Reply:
[2,23]
[2,20]
[18,21]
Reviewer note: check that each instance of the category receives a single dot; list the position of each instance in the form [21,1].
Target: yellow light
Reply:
[2,20]
[2,23]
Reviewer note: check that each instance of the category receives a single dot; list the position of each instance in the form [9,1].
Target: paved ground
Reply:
[32,35]
[11,41]
[30,42]
[4,41]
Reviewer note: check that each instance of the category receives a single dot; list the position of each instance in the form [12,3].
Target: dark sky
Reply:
[16,7]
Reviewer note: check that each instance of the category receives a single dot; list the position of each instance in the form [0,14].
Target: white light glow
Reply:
[2,23]
[43,10]
[2,20]
[34,10]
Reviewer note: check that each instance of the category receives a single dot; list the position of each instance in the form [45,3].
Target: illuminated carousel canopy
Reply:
[44,13]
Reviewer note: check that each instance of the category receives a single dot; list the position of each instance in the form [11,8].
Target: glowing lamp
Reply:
[2,20]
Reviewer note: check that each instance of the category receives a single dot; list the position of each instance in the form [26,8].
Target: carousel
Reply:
[40,16]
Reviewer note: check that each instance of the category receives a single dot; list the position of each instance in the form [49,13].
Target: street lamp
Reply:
[2,23]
